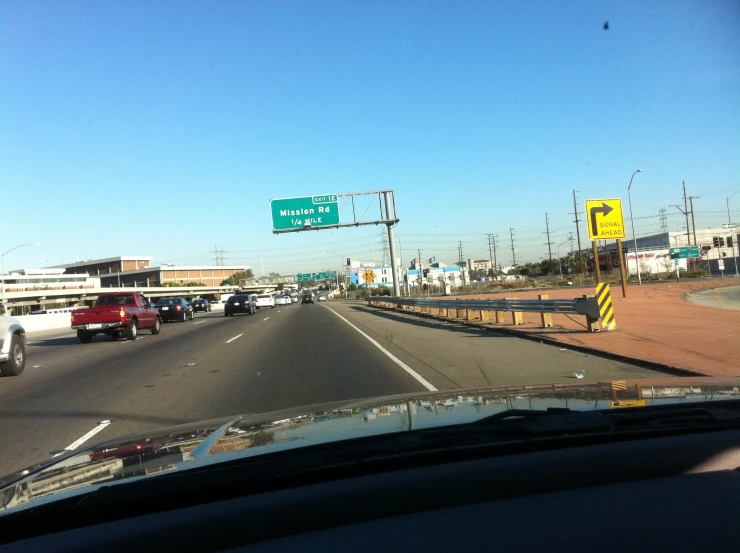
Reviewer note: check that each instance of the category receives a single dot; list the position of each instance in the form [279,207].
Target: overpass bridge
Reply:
[39,296]
[267,282]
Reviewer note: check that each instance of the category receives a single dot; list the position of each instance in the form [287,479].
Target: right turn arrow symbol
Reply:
[605,209]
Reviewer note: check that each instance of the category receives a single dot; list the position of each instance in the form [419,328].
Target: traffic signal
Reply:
[426,272]
[348,262]
[721,241]
[715,241]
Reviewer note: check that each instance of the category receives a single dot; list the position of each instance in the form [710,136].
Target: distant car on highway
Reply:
[174,309]
[240,303]
[201,305]
[12,346]
[116,314]
[293,299]
[281,300]
[307,298]
[265,300]
[322,298]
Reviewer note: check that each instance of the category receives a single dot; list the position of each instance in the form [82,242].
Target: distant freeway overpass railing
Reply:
[33,295]
[594,308]
[266,281]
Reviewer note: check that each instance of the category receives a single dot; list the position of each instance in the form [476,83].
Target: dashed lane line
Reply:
[234,338]
[77,443]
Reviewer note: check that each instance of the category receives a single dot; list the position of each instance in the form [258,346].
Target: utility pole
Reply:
[420,268]
[578,233]
[693,222]
[686,212]
[513,251]
[548,243]
[461,262]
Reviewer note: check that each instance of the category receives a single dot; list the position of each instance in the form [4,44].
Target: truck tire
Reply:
[85,337]
[132,331]
[157,328]
[17,360]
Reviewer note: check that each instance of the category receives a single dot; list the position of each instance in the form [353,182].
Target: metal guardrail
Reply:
[586,306]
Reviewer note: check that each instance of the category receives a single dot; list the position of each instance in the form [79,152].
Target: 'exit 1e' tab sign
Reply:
[305,213]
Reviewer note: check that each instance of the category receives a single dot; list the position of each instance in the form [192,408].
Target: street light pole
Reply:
[2,270]
[729,222]
[634,236]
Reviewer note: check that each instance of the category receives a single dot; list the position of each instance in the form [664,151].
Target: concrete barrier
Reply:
[51,321]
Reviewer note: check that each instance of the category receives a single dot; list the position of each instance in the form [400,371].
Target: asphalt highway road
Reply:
[279,358]
[724,298]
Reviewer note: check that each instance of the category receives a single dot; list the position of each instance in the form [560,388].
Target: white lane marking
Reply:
[77,443]
[265,318]
[395,359]
[198,322]
[234,338]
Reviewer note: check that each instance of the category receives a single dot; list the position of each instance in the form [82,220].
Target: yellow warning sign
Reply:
[619,385]
[606,311]
[629,403]
[605,219]
[368,276]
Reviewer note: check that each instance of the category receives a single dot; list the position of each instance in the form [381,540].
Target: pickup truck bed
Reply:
[116,314]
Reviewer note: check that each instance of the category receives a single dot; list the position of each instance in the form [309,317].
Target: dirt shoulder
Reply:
[655,323]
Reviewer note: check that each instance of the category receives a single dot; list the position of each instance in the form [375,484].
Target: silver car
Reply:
[12,346]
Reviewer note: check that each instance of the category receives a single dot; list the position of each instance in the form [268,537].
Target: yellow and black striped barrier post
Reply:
[606,311]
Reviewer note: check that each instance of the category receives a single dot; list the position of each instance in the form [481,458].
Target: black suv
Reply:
[201,305]
[174,309]
[307,298]
[241,303]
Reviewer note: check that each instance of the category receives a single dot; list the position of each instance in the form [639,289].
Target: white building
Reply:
[653,251]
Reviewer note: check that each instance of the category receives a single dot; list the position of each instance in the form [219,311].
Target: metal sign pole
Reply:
[597,269]
[622,270]
[392,245]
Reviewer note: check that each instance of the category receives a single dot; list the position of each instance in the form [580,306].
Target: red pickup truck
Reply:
[116,314]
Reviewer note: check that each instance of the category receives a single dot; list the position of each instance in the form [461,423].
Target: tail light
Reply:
[178,308]
[122,313]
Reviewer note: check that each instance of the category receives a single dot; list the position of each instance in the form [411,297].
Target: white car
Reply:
[12,346]
[281,300]
[265,300]
[322,298]
[293,299]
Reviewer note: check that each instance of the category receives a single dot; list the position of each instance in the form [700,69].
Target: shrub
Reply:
[694,274]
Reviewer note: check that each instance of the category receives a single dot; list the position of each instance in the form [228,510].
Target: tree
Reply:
[194,284]
[274,274]
[352,286]
[236,277]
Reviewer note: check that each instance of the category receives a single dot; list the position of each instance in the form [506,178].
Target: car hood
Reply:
[151,453]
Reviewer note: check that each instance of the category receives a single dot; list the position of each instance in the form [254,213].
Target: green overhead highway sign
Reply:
[305,213]
[689,252]
[729,225]
[302,277]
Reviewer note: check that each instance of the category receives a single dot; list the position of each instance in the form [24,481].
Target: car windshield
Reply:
[443,197]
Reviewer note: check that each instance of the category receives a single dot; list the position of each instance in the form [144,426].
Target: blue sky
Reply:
[165,128]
